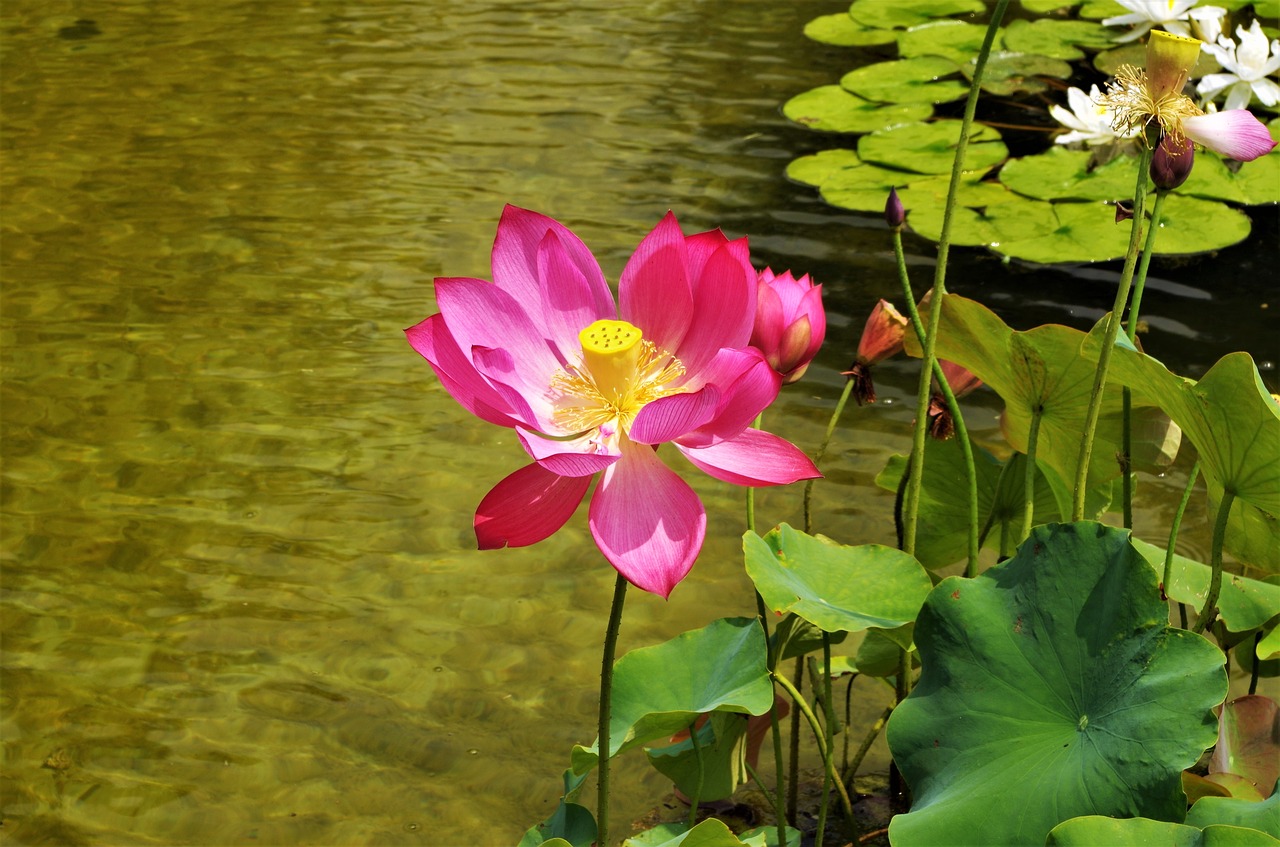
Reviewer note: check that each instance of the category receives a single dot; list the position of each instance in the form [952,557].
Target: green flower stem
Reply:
[775,730]
[911,509]
[1029,495]
[822,451]
[1131,330]
[1215,561]
[1173,532]
[803,707]
[697,793]
[852,770]
[829,722]
[1109,342]
[793,785]
[606,702]
[953,405]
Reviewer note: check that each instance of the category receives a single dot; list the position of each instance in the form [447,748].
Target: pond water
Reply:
[241,599]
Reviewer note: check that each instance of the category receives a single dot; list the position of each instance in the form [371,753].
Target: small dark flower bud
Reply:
[1171,163]
[894,214]
[1124,211]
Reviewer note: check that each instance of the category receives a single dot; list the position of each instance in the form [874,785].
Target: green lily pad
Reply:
[919,80]
[1234,424]
[1014,218]
[1192,225]
[864,188]
[1244,604]
[1264,816]
[1052,682]
[1039,7]
[816,168]
[1056,39]
[709,833]
[1062,174]
[835,587]
[831,108]
[1248,746]
[660,690]
[1099,9]
[907,13]
[954,40]
[1008,73]
[1092,830]
[930,148]
[843,31]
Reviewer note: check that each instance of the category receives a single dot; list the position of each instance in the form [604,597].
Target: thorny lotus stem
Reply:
[803,707]
[1215,561]
[1173,535]
[829,712]
[962,432]
[822,450]
[606,701]
[793,785]
[852,770]
[1109,342]
[912,503]
[697,793]
[1029,490]
[1131,330]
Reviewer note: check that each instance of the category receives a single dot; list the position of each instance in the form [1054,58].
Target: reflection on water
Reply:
[241,599]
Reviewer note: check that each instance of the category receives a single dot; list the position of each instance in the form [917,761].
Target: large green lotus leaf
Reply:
[918,80]
[931,148]
[942,528]
[1012,218]
[1234,423]
[864,188]
[906,13]
[709,833]
[722,748]
[954,40]
[1054,38]
[843,31]
[1086,232]
[1244,604]
[831,108]
[816,168]
[1264,816]
[1062,174]
[1249,742]
[660,690]
[1095,830]
[835,587]
[1052,682]
[1007,73]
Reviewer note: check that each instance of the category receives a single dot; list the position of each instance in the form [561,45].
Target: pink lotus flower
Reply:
[541,350]
[790,322]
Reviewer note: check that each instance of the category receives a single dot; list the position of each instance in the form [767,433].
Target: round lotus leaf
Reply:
[1086,232]
[954,40]
[1017,219]
[1062,174]
[1096,10]
[918,80]
[1011,73]
[831,108]
[1039,7]
[930,148]
[863,189]
[1056,39]
[1191,225]
[843,31]
[1054,683]
[1092,830]
[900,14]
[815,169]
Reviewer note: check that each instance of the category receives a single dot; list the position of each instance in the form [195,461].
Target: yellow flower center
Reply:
[1130,97]
[620,373]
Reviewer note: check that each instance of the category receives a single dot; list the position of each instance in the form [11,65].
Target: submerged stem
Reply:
[606,702]
[802,707]
[1029,493]
[1173,534]
[1210,608]
[822,451]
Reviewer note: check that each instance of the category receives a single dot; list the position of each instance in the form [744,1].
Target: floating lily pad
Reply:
[954,40]
[1251,183]
[815,169]
[1039,682]
[1062,174]
[1014,218]
[660,690]
[1099,9]
[906,13]
[863,188]
[1191,225]
[1092,830]
[835,587]
[843,31]
[1056,39]
[1039,7]
[930,148]
[919,80]
[1086,232]
[1009,73]
[831,108]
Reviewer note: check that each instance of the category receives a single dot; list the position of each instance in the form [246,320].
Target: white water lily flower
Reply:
[1171,15]
[1247,66]
[1089,120]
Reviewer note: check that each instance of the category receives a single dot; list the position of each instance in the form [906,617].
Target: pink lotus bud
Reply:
[1124,211]
[962,381]
[894,213]
[790,322]
[1171,162]
[941,424]
[881,338]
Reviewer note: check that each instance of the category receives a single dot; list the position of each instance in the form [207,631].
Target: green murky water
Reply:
[241,600]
